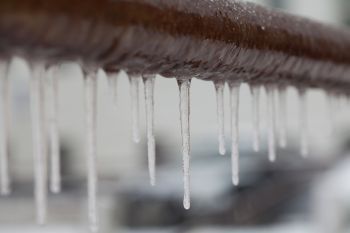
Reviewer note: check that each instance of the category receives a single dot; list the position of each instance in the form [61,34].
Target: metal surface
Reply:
[179,38]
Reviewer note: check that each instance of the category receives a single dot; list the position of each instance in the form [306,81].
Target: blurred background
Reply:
[292,195]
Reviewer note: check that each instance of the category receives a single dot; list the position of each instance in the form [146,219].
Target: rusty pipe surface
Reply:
[180,38]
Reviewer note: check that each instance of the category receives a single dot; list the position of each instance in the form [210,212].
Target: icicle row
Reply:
[39,141]
[5,181]
[91,126]
[135,106]
[271,123]
[184,86]
[255,93]
[149,94]
[282,116]
[219,88]
[55,162]
[304,144]
[234,91]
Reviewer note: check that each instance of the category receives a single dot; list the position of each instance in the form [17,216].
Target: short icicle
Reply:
[91,140]
[219,88]
[282,116]
[112,78]
[5,185]
[38,72]
[54,142]
[149,81]
[255,93]
[271,121]
[184,86]
[234,105]
[135,106]
[303,124]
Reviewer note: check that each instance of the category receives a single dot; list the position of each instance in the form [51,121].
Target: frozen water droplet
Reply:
[55,163]
[135,106]
[255,93]
[234,105]
[112,78]
[149,81]
[184,86]
[39,141]
[271,121]
[282,116]
[91,140]
[304,145]
[5,185]
[219,88]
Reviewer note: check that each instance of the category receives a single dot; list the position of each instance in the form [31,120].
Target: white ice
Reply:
[271,121]
[282,116]
[135,106]
[255,93]
[234,105]
[184,86]
[219,88]
[303,124]
[149,81]
[5,105]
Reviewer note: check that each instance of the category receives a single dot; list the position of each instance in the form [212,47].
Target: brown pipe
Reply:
[179,38]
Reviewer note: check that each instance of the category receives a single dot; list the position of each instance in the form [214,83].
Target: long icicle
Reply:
[135,106]
[39,141]
[55,161]
[91,140]
[255,93]
[303,124]
[282,116]
[271,127]
[5,185]
[149,81]
[234,102]
[219,89]
[184,86]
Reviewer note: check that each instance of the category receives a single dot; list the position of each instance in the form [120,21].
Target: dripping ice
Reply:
[282,116]
[151,151]
[91,141]
[135,106]
[303,125]
[234,106]
[255,93]
[219,89]
[271,121]
[184,87]
[5,181]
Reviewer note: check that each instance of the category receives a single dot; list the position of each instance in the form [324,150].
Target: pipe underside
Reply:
[180,38]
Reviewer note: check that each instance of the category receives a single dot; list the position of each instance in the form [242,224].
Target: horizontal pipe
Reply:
[179,38]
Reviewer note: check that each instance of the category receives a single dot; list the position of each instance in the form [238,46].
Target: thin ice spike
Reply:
[282,116]
[149,81]
[255,93]
[112,78]
[303,124]
[5,185]
[91,140]
[135,106]
[234,104]
[219,89]
[271,121]
[184,86]
[39,141]
[55,162]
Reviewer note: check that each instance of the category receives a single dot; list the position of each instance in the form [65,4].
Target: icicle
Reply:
[282,116]
[271,123]
[219,88]
[112,78]
[255,93]
[331,113]
[55,163]
[234,91]
[91,126]
[39,141]
[135,106]
[149,94]
[184,86]
[5,185]
[304,147]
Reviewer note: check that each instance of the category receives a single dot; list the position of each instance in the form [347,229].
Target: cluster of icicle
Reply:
[44,87]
